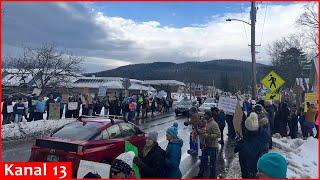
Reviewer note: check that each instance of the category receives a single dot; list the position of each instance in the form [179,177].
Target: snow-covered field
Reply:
[302,156]
[34,128]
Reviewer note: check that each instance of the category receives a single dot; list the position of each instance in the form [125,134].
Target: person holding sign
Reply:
[19,111]
[121,167]
[40,108]
[310,118]
[153,160]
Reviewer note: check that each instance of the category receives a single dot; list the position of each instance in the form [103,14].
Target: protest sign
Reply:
[54,111]
[227,104]
[85,167]
[102,91]
[72,106]
[237,119]
[10,109]
[130,147]
[310,98]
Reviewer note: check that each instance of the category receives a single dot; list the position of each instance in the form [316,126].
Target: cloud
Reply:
[110,42]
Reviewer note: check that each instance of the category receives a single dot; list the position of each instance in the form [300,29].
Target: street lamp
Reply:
[238,20]
[253,14]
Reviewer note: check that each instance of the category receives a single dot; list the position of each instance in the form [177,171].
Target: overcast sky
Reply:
[110,35]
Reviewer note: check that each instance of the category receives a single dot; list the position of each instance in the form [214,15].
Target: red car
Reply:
[97,139]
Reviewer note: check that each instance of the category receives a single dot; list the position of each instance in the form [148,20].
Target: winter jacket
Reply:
[40,106]
[48,103]
[153,164]
[246,106]
[221,120]
[32,103]
[19,109]
[250,150]
[293,122]
[173,157]
[61,103]
[213,131]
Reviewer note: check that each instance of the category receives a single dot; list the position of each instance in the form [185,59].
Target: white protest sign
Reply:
[86,167]
[102,91]
[72,106]
[10,108]
[227,104]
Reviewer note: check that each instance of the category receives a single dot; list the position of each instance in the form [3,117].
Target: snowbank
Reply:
[302,156]
[34,128]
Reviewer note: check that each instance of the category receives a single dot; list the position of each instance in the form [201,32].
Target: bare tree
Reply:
[309,21]
[48,66]
[310,16]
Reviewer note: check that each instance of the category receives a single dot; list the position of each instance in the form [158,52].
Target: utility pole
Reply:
[253,14]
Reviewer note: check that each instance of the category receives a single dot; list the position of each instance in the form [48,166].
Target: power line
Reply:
[243,23]
[264,20]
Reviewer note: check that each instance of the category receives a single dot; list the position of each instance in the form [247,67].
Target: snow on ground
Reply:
[302,155]
[26,129]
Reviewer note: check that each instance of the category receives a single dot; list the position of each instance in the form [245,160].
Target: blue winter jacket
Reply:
[40,106]
[173,157]
[19,109]
[250,150]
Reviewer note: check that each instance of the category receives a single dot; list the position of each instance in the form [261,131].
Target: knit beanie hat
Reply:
[153,136]
[173,130]
[124,162]
[273,164]
[193,110]
[252,123]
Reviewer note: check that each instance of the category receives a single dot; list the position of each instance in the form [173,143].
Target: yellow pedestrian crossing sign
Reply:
[273,96]
[272,81]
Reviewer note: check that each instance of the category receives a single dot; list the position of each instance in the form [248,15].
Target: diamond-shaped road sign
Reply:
[273,96]
[272,81]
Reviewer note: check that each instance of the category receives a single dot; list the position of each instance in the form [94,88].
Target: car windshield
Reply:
[185,103]
[211,100]
[77,131]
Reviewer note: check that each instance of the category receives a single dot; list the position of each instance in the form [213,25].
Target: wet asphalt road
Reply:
[189,166]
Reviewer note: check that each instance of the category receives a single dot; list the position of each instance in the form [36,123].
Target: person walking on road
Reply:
[152,162]
[173,152]
[211,136]
[222,124]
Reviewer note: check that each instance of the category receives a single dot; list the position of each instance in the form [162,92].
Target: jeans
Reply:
[212,152]
[17,118]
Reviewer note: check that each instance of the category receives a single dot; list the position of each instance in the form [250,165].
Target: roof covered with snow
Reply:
[163,82]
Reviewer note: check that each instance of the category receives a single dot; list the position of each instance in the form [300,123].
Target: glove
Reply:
[137,160]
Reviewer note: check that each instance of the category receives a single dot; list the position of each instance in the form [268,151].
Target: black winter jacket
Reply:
[153,165]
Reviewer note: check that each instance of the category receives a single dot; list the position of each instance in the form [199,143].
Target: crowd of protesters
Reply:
[132,108]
